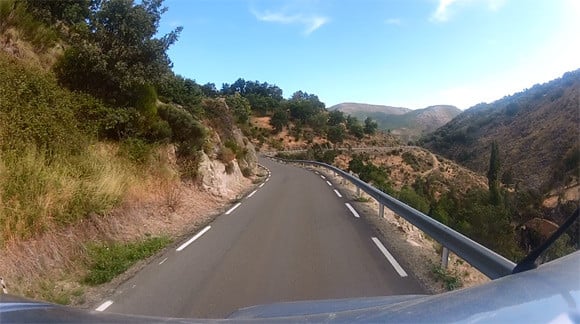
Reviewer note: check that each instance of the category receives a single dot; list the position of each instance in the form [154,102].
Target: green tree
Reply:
[279,120]
[355,127]
[318,122]
[240,108]
[119,53]
[336,133]
[493,175]
[70,12]
[370,126]
[335,117]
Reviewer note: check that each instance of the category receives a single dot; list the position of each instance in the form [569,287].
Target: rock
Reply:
[214,178]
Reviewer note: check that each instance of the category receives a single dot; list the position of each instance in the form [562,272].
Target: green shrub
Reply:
[33,109]
[136,150]
[187,132]
[106,261]
[247,172]
[226,155]
[451,281]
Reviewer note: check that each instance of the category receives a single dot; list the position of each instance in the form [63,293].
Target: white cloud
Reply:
[442,13]
[393,21]
[310,22]
[446,8]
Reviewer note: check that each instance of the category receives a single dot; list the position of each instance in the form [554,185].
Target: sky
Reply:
[406,53]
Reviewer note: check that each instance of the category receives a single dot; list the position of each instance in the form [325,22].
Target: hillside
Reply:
[537,131]
[404,123]
[352,108]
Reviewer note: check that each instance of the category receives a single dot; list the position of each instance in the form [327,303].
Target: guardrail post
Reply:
[381,210]
[444,258]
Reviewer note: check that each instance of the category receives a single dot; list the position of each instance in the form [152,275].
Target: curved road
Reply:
[292,239]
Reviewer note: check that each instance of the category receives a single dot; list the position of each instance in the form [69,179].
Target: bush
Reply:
[184,128]
[106,261]
[33,109]
[226,155]
[136,150]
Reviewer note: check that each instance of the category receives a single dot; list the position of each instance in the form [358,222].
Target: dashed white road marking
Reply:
[198,235]
[352,210]
[328,182]
[316,172]
[323,177]
[104,306]
[163,261]
[337,193]
[233,208]
[253,193]
[389,257]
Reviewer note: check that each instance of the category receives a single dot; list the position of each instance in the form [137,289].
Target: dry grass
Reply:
[50,265]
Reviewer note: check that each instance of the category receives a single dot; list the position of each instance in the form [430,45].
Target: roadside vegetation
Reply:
[106,261]
[89,107]
[490,214]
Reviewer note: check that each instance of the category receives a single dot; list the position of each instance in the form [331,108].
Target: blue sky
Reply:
[409,53]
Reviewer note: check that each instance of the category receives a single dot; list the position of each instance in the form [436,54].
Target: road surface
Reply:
[292,239]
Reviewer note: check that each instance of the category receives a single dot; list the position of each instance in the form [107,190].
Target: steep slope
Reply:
[537,131]
[405,123]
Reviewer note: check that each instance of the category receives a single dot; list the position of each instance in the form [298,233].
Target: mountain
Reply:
[537,130]
[352,107]
[405,123]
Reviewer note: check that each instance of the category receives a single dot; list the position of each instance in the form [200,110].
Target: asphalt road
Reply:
[293,239]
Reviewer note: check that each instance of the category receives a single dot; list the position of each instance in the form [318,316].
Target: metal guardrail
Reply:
[485,260]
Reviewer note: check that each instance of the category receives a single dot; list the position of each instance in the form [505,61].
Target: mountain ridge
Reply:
[544,119]
[407,124]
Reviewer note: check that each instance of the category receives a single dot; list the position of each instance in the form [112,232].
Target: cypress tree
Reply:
[493,175]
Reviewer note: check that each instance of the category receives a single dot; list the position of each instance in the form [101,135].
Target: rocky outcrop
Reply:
[214,177]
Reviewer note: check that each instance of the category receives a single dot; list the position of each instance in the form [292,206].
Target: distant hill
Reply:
[405,123]
[538,132]
[352,107]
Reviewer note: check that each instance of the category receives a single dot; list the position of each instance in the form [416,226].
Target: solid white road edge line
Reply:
[352,210]
[253,192]
[104,306]
[261,185]
[233,208]
[198,235]
[389,257]
[330,184]
[337,193]
[162,261]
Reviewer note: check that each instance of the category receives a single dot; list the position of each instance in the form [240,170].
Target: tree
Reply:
[119,52]
[336,133]
[370,126]
[69,12]
[493,175]
[240,108]
[355,127]
[209,90]
[279,120]
[335,117]
[304,106]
